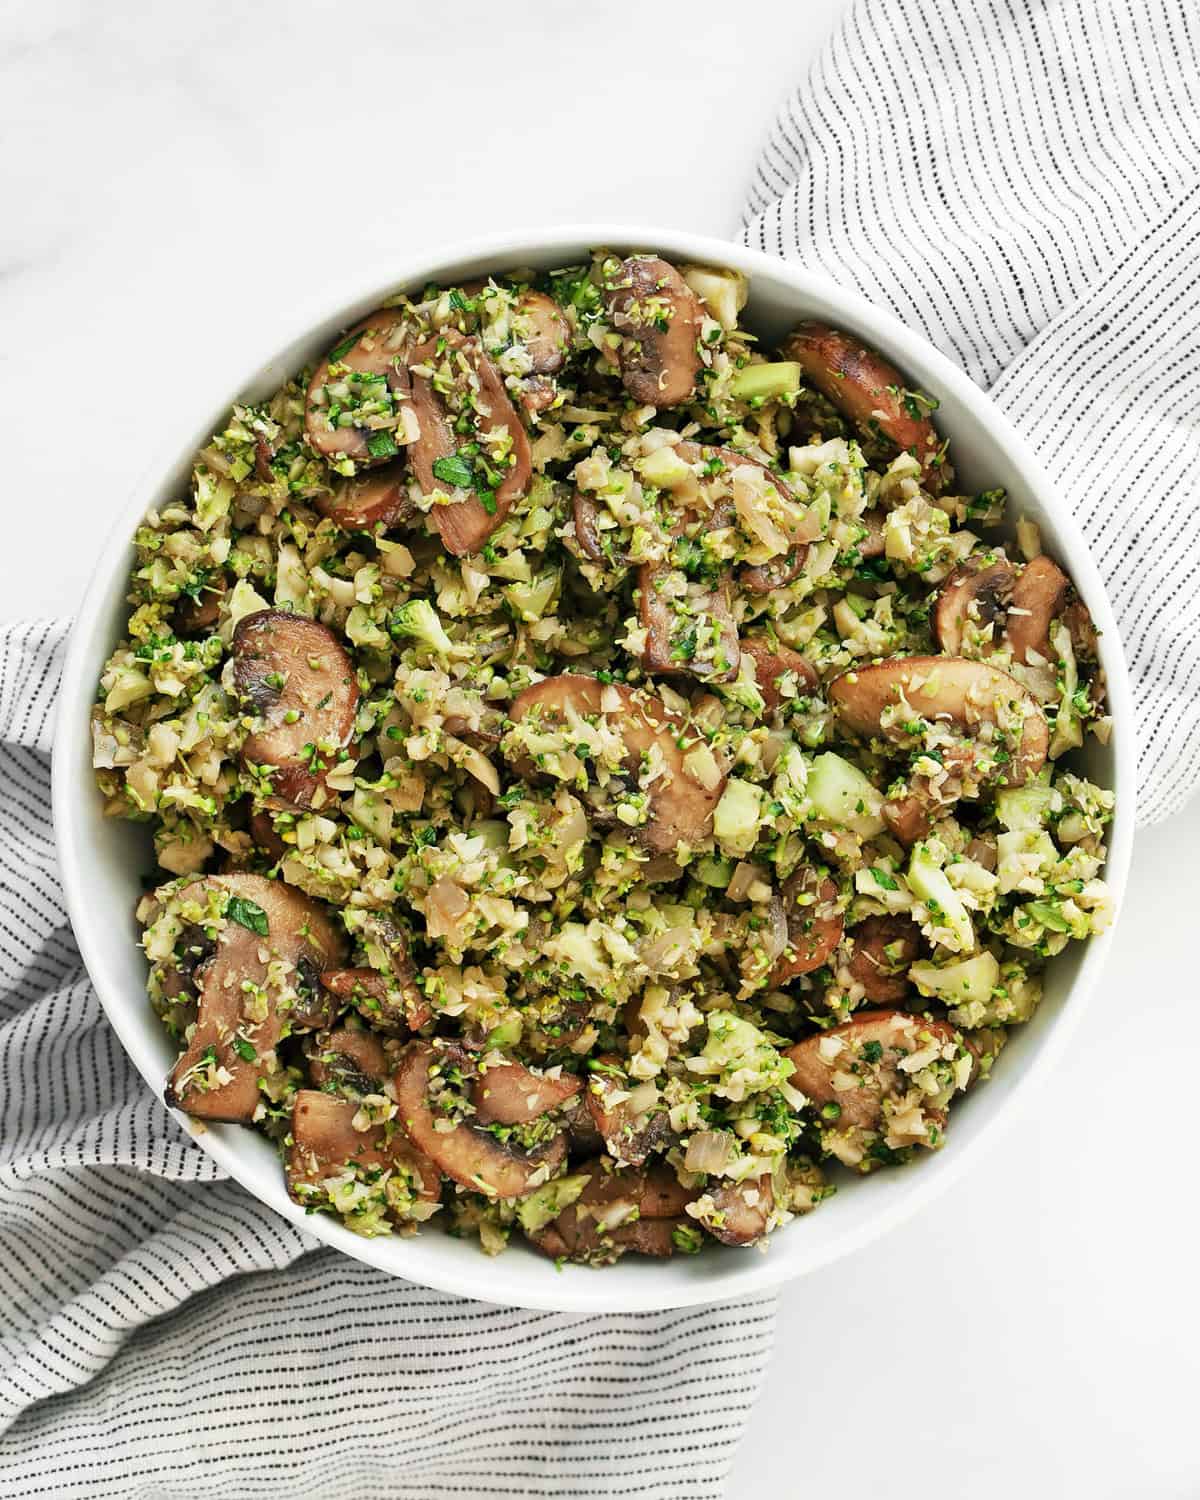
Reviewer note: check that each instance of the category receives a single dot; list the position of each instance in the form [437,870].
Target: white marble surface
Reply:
[173,177]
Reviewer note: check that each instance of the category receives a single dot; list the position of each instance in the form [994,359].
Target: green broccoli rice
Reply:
[607,781]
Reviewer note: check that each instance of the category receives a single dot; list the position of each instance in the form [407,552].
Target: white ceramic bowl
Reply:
[103,859]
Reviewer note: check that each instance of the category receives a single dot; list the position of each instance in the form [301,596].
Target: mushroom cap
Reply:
[469,1154]
[288,665]
[814,924]
[972,598]
[374,346]
[681,807]
[465,525]
[378,498]
[771,660]
[867,389]
[629,1135]
[1038,596]
[884,976]
[300,933]
[325,1142]
[348,1058]
[623,1209]
[541,325]
[741,1210]
[658,364]
[965,693]
[817,1070]
[508,1093]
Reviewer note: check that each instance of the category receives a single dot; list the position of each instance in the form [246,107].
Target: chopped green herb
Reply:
[248,914]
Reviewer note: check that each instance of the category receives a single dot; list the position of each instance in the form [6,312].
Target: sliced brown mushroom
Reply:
[630,1134]
[814,924]
[970,695]
[392,1003]
[740,1212]
[771,660]
[883,948]
[590,535]
[910,817]
[765,578]
[262,830]
[468,1153]
[248,987]
[691,635]
[681,805]
[350,415]
[1038,597]
[658,318]
[477,393]
[972,607]
[348,1058]
[859,1077]
[623,1211]
[541,325]
[378,500]
[325,1143]
[509,1093]
[874,543]
[196,616]
[869,391]
[295,675]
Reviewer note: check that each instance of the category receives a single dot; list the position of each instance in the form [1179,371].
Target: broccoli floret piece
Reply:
[419,621]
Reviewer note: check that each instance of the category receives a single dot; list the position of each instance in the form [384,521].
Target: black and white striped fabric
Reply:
[164,1335]
[1020,180]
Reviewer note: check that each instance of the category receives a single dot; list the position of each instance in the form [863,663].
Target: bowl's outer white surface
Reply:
[103,859]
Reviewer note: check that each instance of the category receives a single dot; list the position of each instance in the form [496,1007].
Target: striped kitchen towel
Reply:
[164,1335]
[1020,180]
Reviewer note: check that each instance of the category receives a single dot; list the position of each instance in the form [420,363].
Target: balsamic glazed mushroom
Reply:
[626,1210]
[658,317]
[241,1006]
[885,1079]
[969,695]
[468,1153]
[870,392]
[814,924]
[630,1134]
[378,499]
[771,661]
[883,948]
[681,805]
[295,675]
[354,408]
[325,1144]
[466,383]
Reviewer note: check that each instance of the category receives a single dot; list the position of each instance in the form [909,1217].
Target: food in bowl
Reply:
[607,780]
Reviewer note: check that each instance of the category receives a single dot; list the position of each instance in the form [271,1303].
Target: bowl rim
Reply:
[657,1289]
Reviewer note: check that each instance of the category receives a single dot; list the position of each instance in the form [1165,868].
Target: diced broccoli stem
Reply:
[767,382]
